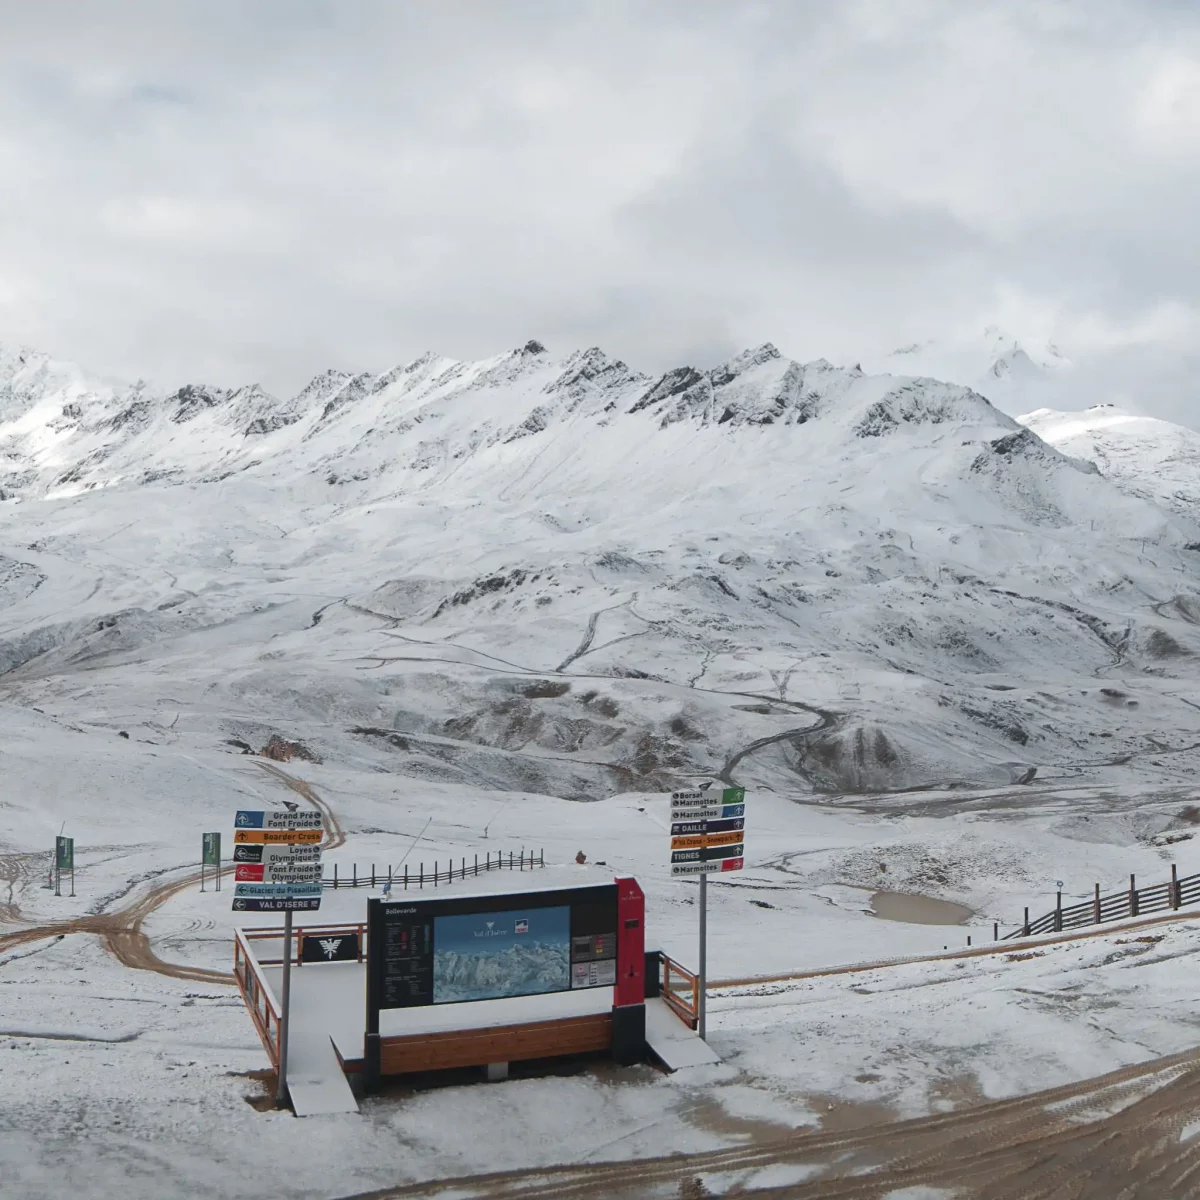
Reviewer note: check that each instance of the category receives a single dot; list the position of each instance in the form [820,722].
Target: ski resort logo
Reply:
[330,946]
[490,931]
[244,819]
[522,926]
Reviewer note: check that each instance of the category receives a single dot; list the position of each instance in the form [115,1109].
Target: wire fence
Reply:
[402,879]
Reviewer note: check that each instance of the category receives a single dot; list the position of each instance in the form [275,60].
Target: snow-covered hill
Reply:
[1143,456]
[562,575]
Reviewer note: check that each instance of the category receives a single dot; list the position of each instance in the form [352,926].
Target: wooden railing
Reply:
[256,992]
[1129,902]
[299,932]
[680,990]
[418,877]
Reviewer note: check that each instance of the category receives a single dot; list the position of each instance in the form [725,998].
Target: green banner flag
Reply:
[64,853]
[212,850]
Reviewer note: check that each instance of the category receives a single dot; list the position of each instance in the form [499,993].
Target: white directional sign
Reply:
[276,854]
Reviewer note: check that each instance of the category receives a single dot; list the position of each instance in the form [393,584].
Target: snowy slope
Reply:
[481,593]
[1143,456]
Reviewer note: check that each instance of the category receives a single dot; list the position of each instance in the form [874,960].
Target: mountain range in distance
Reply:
[793,574]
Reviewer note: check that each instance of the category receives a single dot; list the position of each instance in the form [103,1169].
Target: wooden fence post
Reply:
[1133,897]
[1174,886]
[477,864]
[335,879]
[1058,914]
[354,868]
[421,879]
[1096,905]
[406,877]
[1025,927]
[995,931]
[372,875]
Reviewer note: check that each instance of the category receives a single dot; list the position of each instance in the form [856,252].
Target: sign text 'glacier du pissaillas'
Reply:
[707,830]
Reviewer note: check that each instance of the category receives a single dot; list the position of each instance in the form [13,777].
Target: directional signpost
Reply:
[210,856]
[707,835]
[277,868]
[64,860]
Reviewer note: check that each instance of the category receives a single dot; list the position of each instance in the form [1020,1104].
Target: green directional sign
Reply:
[64,853]
[212,850]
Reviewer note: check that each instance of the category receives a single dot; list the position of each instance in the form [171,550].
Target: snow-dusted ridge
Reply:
[950,590]
[60,432]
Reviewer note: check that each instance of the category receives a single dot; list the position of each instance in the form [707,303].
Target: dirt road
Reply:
[121,930]
[1117,1137]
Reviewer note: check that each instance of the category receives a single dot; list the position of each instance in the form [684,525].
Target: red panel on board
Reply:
[631,943]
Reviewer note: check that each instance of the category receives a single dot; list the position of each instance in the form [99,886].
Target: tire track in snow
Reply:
[1120,1134]
[122,932]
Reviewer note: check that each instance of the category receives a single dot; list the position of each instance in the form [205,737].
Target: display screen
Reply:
[487,956]
[460,949]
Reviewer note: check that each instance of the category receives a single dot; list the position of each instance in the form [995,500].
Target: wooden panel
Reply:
[505,1043]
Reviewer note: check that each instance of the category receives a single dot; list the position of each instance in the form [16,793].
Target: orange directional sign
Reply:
[701,841]
[277,837]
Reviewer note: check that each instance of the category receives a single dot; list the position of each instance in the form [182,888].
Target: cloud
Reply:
[234,192]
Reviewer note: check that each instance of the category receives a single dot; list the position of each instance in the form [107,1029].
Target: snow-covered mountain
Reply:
[560,574]
[1010,371]
[1143,456]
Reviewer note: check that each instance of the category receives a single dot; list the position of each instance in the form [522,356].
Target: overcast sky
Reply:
[232,190]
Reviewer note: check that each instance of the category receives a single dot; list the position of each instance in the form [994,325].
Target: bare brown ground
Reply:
[121,930]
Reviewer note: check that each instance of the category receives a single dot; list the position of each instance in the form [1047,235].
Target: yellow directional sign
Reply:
[278,837]
[702,841]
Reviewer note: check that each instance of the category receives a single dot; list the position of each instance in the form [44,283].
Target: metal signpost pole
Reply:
[277,868]
[286,998]
[703,973]
[708,833]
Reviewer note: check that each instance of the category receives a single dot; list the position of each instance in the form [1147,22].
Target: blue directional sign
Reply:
[301,818]
[277,891]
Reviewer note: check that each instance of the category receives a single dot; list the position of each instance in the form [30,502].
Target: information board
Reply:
[470,948]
